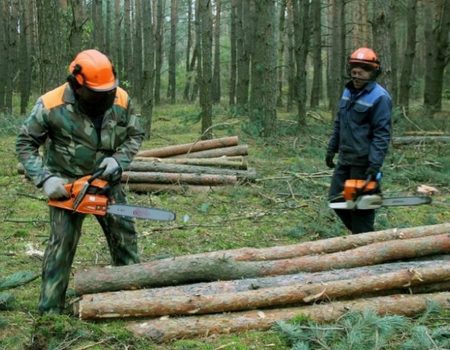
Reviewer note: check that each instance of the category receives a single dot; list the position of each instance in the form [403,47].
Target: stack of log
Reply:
[193,166]
[394,271]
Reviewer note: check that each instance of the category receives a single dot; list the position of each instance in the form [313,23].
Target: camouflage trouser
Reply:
[65,233]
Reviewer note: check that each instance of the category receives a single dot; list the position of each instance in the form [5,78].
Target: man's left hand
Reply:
[372,172]
[111,166]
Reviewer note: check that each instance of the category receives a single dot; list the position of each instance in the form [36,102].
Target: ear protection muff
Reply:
[73,78]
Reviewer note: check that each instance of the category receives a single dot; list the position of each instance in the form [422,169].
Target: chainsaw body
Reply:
[365,194]
[94,201]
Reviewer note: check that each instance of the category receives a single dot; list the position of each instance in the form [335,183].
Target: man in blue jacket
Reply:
[361,134]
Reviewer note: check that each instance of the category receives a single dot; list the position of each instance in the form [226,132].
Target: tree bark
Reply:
[262,111]
[406,140]
[181,188]
[409,54]
[216,86]
[171,87]
[233,63]
[240,150]
[189,147]
[97,307]
[159,36]
[176,178]
[249,175]
[243,55]
[316,88]
[237,162]
[437,29]
[187,86]
[250,284]
[165,329]
[197,269]
[324,246]
[148,78]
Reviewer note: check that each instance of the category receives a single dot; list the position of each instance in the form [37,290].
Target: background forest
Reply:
[268,71]
[253,56]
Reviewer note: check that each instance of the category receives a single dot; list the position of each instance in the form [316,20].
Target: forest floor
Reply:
[287,204]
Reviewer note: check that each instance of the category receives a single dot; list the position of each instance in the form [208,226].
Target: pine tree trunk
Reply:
[197,269]
[316,89]
[216,88]
[148,77]
[233,64]
[243,55]
[187,86]
[165,329]
[159,35]
[171,87]
[409,54]
[262,110]
[102,306]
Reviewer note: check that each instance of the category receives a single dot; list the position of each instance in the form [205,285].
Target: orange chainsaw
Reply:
[88,195]
[365,194]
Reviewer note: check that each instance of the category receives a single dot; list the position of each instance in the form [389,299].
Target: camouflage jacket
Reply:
[70,143]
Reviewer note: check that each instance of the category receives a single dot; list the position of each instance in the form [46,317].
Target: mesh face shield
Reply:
[95,103]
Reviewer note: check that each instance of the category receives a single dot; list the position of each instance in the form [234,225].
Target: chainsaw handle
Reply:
[96,174]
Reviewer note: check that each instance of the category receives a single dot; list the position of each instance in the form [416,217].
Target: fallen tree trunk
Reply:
[240,285]
[177,178]
[101,306]
[249,175]
[329,245]
[190,147]
[406,140]
[181,188]
[165,329]
[141,304]
[182,270]
[237,162]
[240,150]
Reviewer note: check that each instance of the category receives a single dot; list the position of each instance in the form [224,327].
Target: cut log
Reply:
[182,188]
[189,147]
[240,150]
[166,329]
[176,178]
[181,270]
[249,175]
[406,140]
[240,285]
[329,245]
[237,162]
[99,306]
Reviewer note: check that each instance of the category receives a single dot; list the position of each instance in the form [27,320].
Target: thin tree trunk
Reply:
[137,52]
[216,88]
[165,329]
[120,307]
[188,269]
[205,12]
[243,55]
[233,63]
[159,35]
[262,112]
[409,54]
[190,147]
[281,43]
[187,85]
[148,77]
[316,89]
[171,87]
[437,30]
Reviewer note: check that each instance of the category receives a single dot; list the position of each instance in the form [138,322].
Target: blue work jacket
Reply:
[362,128]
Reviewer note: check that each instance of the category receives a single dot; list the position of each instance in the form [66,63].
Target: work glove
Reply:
[111,166]
[54,188]
[374,173]
[329,160]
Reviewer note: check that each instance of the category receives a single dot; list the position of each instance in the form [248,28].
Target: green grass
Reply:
[287,204]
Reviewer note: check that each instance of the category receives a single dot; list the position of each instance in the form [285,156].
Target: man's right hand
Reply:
[329,160]
[54,188]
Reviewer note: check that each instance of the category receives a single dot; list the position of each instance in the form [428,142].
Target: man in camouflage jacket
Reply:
[83,125]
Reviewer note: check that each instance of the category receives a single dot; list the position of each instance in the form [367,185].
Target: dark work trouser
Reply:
[65,233]
[356,221]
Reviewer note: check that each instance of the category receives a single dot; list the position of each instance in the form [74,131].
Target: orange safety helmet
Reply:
[94,70]
[365,56]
